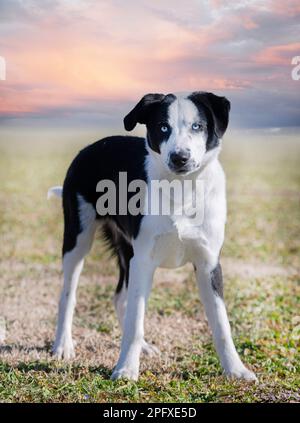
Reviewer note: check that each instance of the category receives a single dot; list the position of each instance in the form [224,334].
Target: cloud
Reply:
[278,55]
[86,54]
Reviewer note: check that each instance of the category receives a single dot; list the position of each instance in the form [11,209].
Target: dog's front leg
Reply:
[140,281]
[210,285]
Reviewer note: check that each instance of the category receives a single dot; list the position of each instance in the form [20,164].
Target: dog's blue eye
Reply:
[196,127]
[164,128]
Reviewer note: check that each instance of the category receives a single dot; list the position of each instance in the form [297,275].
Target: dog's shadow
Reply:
[21,348]
[46,366]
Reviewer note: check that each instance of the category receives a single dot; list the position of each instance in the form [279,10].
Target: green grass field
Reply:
[261,263]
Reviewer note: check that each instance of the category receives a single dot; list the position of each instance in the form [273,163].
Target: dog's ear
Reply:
[142,110]
[219,108]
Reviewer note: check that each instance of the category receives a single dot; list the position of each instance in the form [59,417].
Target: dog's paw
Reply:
[125,373]
[242,374]
[149,349]
[64,351]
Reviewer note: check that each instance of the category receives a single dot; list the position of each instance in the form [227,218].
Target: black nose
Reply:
[180,158]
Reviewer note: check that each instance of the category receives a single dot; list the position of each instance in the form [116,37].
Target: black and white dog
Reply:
[183,142]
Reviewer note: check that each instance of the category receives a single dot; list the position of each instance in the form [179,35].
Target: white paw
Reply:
[242,373]
[64,350]
[125,373]
[149,349]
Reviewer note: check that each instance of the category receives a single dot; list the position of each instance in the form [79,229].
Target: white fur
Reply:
[218,321]
[182,114]
[140,282]
[120,303]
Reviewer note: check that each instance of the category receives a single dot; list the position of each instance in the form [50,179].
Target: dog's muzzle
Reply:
[179,161]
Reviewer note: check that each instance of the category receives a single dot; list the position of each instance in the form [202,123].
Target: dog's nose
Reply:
[179,158]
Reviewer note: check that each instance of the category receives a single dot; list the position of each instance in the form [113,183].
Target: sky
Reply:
[87,62]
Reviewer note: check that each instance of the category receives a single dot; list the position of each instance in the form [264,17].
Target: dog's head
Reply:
[181,129]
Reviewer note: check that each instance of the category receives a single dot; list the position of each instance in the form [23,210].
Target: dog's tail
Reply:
[55,192]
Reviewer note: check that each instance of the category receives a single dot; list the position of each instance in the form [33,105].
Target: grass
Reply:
[261,267]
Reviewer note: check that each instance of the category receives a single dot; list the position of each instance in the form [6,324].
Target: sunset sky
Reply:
[86,62]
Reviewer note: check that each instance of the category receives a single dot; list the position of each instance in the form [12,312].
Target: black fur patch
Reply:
[216,110]
[103,160]
[217,280]
[151,110]
[159,117]
[120,248]
[71,221]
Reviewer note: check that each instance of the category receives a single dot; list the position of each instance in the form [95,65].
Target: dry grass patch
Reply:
[261,267]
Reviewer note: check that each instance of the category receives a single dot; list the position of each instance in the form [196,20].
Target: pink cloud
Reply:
[278,55]
[69,62]
[80,54]
[285,8]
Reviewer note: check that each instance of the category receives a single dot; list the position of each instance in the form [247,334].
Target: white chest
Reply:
[169,251]
[172,241]
[175,243]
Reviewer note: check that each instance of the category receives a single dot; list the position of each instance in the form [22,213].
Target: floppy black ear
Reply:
[219,108]
[140,112]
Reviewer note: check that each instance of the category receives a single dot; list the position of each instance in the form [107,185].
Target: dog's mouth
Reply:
[185,169]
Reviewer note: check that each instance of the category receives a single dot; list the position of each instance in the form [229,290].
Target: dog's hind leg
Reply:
[80,226]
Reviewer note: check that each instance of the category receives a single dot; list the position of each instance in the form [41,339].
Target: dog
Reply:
[183,141]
